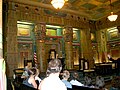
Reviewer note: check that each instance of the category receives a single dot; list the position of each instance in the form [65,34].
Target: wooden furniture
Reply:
[82,88]
[25,87]
[89,72]
[103,69]
[83,64]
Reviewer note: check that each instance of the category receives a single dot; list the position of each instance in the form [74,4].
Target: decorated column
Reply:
[68,36]
[40,45]
[11,53]
[86,47]
[102,45]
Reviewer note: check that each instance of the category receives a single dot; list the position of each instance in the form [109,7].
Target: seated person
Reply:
[100,82]
[25,73]
[115,83]
[75,81]
[30,81]
[65,77]
[52,81]
[88,81]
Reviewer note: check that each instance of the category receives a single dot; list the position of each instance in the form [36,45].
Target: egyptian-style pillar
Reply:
[86,47]
[68,36]
[40,32]
[11,53]
[102,45]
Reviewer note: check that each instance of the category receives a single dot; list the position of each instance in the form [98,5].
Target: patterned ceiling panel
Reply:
[89,6]
[101,10]
[72,1]
[92,9]
[102,1]
[116,3]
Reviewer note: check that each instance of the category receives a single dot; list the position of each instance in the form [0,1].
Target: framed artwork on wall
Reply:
[76,36]
[23,32]
[24,28]
[114,34]
[51,32]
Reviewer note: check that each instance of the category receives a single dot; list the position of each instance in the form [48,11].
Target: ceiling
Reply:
[91,9]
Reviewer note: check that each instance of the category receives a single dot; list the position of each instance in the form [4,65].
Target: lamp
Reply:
[112,17]
[58,4]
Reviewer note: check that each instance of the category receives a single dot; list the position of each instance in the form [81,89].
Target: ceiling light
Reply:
[112,17]
[58,4]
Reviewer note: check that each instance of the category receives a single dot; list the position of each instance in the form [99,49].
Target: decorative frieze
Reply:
[37,14]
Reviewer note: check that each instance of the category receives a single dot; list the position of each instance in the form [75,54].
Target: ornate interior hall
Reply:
[79,33]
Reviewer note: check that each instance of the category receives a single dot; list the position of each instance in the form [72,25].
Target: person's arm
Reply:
[110,58]
[39,88]
[24,75]
[32,81]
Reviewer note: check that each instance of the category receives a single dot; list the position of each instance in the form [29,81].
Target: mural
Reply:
[23,32]
[24,28]
[112,33]
[51,32]
[76,36]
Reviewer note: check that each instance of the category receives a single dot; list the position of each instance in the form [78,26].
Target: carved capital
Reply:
[40,31]
[68,34]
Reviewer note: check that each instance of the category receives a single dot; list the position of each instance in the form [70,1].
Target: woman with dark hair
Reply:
[30,81]
[52,81]
[75,80]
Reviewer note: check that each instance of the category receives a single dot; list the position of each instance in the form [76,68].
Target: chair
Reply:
[69,89]
[25,87]
[82,88]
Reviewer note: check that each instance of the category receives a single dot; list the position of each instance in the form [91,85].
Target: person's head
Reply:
[32,71]
[65,74]
[54,66]
[98,78]
[75,76]
[29,64]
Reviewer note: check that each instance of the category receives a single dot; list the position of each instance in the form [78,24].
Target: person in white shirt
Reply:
[52,81]
[74,81]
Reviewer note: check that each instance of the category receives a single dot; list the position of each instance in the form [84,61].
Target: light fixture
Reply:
[58,4]
[112,17]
